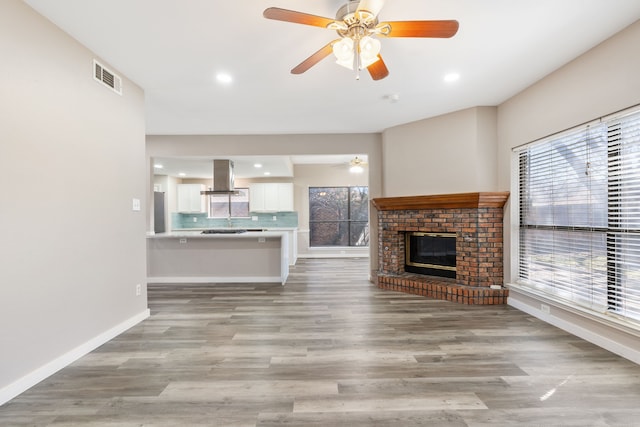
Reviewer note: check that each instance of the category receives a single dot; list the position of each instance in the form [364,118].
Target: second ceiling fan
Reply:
[357,25]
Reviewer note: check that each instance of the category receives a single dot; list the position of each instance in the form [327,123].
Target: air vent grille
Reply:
[107,78]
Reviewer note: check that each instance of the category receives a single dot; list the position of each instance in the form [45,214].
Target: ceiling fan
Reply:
[357,25]
[356,165]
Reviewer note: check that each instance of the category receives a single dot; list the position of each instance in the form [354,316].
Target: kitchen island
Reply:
[234,257]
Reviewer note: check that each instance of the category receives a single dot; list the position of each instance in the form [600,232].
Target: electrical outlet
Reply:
[261,240]
[195,219]
[135,205]
[183,240]
[274,218]
[254,218]
[138,289]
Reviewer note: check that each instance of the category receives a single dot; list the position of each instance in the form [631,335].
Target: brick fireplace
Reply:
[476,221]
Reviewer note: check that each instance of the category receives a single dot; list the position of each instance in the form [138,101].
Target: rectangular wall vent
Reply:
[107,77]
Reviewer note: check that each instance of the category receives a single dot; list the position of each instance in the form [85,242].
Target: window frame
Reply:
[228,204]
[616,287]
[349,221]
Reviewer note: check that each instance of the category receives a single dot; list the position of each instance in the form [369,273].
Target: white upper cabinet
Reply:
[190,200]
[285,197]
[271,197]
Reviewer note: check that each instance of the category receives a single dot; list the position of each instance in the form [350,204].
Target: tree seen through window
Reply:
[339,216]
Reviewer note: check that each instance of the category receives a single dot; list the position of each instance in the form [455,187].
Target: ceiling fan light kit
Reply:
[357,25]
[356,169]
[356,57]
[343,51]
[356,165]
[369,50]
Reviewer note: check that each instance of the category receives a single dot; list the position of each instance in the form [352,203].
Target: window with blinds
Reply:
[580,216]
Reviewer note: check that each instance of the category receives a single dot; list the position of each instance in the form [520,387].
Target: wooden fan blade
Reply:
[322,53]
[439,29]
[297,17]
[378,69]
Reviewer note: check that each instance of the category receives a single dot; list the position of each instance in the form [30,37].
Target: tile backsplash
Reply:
[265,220]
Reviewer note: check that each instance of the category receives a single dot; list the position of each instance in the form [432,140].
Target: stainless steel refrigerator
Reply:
[158,212]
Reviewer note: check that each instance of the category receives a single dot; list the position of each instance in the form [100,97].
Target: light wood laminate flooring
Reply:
[330,349]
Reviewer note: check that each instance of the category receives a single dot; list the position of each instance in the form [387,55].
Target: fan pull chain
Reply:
[356,57]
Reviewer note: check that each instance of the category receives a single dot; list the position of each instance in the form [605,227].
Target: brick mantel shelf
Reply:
[477,221]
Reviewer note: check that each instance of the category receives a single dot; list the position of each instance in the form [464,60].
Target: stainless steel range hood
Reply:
[222,178]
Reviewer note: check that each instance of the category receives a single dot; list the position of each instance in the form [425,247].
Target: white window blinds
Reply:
[580,216]
[623,238]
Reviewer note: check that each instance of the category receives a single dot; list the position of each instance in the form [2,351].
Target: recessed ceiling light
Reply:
[267,173]
[451,77]
[257,165]
[182,174]
[224,78]
[158,166]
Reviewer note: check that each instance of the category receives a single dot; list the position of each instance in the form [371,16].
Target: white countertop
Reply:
[180,230]
[197,234]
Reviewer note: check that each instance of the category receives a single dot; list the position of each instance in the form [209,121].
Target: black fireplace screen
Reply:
[433,254]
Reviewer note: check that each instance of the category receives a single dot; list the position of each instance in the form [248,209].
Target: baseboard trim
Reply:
[21,385]
[333,255]
[216,279]
[593,337]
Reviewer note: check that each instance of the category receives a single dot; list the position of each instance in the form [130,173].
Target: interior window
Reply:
[230,205]
[339,216]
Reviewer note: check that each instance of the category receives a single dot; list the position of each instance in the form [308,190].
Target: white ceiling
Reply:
[174,48]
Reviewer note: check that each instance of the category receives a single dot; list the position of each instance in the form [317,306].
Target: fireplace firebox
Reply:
[433,254]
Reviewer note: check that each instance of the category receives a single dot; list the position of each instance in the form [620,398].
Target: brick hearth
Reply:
[476,220]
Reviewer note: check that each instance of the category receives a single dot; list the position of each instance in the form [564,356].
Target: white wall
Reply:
[72,250]
[598,83]
[452,153]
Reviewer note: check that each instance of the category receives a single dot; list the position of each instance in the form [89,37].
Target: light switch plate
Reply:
[135,204]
